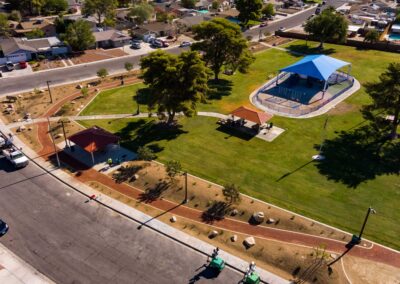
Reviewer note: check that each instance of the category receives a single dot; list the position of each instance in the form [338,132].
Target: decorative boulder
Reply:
[135,177]
[21,128]
[249,242]
[79,87]
[270,221]
[234,212]
[59,135]
[173,219]
[234,238]
[213,234]
[258,217]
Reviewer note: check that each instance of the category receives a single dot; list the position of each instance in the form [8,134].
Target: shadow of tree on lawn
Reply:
[360,155]
[144,132]
[219,89]
[305,49]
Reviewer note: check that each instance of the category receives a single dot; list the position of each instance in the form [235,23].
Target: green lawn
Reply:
[114,101]
[280,172]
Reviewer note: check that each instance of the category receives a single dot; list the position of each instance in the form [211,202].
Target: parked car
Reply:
[16,157]
[263,24]
[323,2]
[185,44]
[164,43]
[9,66]
[3,227]
[157,44]
[23,65]
[136,45]
[318,11]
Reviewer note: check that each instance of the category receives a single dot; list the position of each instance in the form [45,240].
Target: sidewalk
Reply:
[14,270]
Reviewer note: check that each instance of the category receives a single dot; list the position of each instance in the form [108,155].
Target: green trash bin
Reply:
[217,263]
[253,278]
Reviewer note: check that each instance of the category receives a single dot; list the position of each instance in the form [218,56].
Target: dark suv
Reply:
[3,228]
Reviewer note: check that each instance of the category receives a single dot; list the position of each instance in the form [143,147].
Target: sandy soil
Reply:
[364,271]
[202,194]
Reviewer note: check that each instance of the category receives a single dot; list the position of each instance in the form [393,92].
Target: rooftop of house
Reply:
[194,20]
[157,27]
[32,24]
[112,35]
[11,45]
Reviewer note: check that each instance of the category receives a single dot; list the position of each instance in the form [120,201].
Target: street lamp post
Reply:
[369,211]
[48,88]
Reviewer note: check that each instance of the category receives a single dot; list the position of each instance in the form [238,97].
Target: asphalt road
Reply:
[82,71]
[70,241]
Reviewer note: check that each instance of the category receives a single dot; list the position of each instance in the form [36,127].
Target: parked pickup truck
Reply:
[16,157]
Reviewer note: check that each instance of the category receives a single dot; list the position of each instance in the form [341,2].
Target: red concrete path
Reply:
[376,253]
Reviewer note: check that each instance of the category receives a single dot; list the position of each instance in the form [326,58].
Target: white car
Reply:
[185,44]
[9,66]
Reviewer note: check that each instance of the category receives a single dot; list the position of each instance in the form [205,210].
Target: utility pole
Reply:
[319,156]
[54,143]
[186,188]
[369,211]
[48,88]
[65,135]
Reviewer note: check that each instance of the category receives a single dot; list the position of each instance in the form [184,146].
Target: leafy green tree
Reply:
[176,83]
[371,36]
[222,44]
[4,28]
[248,10]
[231,193]
[35,33]
[145,154]
[268,10]
[188,4]
[102,73]
[173,168]
[84,92]
[100,8]
[79,35]
[215,5]
[15,15]
[385,96]
[328,25]
[55,6]
[141,12]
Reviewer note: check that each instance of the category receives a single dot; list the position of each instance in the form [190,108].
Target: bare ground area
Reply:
[276,40]
[96,55]
[47,64]
[206,197]
[364,271]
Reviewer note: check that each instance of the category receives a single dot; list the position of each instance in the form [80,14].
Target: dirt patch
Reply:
[257,47]
[29,137]
[276,40]
[47,64]
[286,260]
[96,55]
[203,195]
[364,271]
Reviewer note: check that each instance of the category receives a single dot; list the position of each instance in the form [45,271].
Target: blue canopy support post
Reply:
[348,71]
[277,78]
[325,87]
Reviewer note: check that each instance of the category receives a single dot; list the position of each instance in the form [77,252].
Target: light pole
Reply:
[48,88]
[54,143]
[65,135]
[319,156]
[369,211]
[186,188]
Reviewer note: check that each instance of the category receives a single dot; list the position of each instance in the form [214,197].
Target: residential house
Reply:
[22,49]
[160,29]
[24,27]
[187,23]
[110,39]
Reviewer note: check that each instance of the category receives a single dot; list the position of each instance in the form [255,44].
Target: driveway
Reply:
[17,72]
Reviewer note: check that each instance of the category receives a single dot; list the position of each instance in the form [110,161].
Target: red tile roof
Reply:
[252,115]
[93,139]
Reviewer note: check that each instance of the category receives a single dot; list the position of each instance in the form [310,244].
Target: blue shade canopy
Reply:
[316,66]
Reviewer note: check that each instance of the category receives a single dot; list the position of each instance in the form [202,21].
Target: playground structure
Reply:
[305,86]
